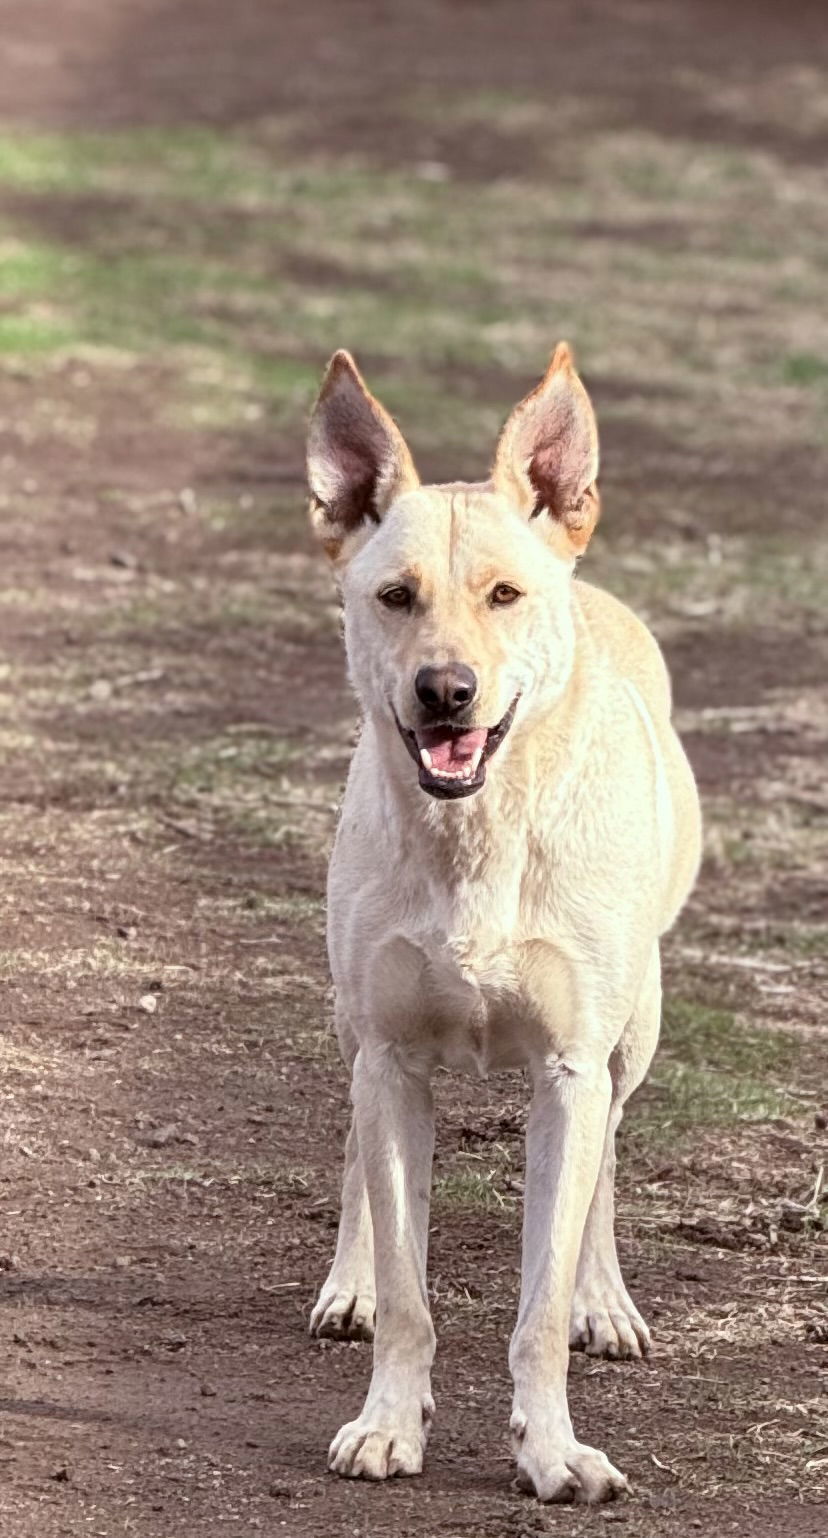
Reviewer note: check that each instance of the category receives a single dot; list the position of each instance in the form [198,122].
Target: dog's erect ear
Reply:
[547,457]
[358,461]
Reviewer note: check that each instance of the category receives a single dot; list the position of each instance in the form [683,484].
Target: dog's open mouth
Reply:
[452,759]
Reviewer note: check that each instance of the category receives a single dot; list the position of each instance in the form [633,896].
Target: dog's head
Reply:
[457,597]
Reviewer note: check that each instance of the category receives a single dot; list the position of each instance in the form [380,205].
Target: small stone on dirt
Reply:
[148,1002]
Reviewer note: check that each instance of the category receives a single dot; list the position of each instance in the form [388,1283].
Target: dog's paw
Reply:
[375,1447]
[607,1323]
[556,1468]
[343,1313]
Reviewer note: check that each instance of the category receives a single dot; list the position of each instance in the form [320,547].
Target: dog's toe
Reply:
[343,1314]
[565,1471]
[609,1326]
[362,1451]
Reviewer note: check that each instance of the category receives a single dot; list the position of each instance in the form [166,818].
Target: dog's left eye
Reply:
[398,597]
[504,593]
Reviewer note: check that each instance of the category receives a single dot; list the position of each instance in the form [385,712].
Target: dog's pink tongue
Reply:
[451,750]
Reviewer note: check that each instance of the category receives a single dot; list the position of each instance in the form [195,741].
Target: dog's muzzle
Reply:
[452,759]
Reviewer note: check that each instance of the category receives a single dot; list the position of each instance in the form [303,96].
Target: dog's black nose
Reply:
[445,690]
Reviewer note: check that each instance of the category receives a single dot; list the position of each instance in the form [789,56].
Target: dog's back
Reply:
[631,646]
[633,652]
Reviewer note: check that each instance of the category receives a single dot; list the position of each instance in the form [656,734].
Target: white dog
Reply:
[520,826]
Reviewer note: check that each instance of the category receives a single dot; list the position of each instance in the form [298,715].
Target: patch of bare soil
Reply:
[173,1113]
[174,1121]
[344,69]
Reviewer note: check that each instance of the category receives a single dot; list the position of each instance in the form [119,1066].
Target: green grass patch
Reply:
[475,1190]
[712,1069]
[255,788]
[680,578]
[230,761]
[22,334]
[798,939]
[805,368]
[217,244]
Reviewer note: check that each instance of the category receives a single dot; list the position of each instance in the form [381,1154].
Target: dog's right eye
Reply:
[504,594]
[398,597]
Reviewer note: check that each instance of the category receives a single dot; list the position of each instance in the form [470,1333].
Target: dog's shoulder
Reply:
[630,648]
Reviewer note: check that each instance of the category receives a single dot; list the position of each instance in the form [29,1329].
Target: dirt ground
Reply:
[177,728]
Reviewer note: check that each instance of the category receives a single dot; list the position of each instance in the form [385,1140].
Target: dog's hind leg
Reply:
[395,1121]
[604,1320]
[346,1304]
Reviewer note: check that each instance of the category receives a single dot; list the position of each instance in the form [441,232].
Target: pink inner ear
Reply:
[356,474]
[356,450]
[357,459]
[562,454]
[555,480]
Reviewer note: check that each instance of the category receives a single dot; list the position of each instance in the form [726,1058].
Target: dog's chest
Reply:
[476,988]
[474,1002]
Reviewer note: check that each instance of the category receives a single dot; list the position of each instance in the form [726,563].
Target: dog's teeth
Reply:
[466,773]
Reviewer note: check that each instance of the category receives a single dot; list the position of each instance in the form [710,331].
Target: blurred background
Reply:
[198,203]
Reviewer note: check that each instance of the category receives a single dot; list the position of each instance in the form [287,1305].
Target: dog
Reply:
[519,828]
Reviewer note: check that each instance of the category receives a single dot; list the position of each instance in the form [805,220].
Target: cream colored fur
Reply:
[518,927]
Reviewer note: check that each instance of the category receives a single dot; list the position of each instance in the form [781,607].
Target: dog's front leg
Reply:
[564,1142]
[395,1123]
